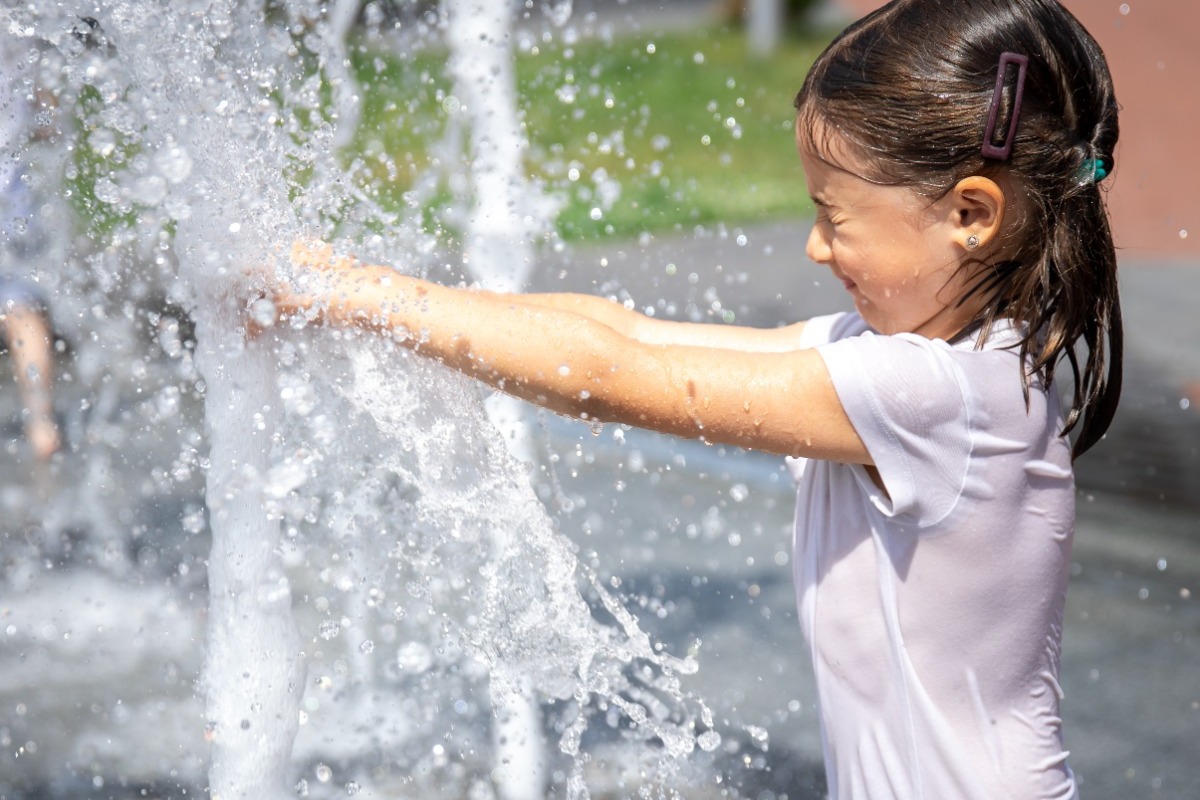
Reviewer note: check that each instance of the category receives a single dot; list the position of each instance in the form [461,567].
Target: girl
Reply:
[954,150]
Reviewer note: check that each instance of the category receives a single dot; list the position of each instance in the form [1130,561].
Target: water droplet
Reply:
[414,657]
[329,629]
[759,736]
[709,741]
[1124,9]
[559,13]
[366,647]
[263,312]
[324,773]
[149,190]
[174,164]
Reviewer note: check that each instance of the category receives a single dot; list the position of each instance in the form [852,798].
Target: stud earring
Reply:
[972,242]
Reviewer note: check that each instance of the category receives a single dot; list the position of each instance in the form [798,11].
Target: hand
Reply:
[43,438]
[282,298]
[319,280]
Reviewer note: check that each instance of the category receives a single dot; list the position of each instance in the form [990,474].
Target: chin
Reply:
[867,312]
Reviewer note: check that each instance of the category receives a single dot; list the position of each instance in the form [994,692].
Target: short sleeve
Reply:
[831,327]
[905,398]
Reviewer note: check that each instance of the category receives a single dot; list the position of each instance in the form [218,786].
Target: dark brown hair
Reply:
[909,88]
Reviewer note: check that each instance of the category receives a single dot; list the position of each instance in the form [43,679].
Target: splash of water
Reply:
[354,492]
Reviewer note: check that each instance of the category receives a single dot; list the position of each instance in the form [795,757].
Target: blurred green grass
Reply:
[635,134]
[638,134]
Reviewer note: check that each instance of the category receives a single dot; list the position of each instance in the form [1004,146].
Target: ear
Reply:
[977,204]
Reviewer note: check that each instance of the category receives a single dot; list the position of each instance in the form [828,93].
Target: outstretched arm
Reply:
[581,365]
[30,345]
[657,331]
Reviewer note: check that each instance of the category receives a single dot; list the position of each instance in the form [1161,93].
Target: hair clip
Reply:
[1003,151]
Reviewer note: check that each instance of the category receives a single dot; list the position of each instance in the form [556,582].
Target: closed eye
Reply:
[826,215]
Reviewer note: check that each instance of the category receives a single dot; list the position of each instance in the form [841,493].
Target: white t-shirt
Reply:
[934,610]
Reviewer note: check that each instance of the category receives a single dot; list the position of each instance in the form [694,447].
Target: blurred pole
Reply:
[498,252]
[341,18]
[764,22]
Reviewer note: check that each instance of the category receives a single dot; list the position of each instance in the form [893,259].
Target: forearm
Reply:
[649,330]
[31,350]
[549,355]
[562,353]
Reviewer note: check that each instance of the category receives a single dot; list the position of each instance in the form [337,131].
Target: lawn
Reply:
[642,133]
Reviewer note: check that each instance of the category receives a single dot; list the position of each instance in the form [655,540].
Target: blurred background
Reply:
[656,145]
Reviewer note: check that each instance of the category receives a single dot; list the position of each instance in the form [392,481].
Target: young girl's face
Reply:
[895,252]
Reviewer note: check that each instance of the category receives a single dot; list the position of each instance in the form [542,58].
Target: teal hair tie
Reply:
[1092,171]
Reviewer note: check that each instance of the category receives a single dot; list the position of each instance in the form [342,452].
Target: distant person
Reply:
[25,331]
[24,322]
[959,202]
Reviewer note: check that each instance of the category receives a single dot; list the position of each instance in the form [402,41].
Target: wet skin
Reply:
[587,357]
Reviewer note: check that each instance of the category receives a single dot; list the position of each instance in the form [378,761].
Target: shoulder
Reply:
[911,401]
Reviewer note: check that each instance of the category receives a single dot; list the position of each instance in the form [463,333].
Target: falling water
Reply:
[361,618]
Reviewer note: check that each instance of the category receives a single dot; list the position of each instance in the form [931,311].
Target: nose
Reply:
[817,247]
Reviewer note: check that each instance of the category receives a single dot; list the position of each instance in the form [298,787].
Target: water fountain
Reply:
[381,577]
